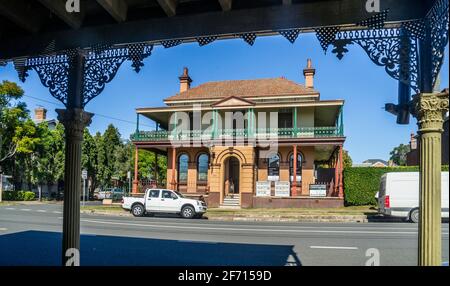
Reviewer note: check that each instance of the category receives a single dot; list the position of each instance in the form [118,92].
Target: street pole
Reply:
[129,182]
[84,192]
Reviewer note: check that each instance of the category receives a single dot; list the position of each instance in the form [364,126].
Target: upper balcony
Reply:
[301,122]
[269,133]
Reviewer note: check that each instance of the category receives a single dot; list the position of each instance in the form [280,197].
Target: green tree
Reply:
[10,118]
[399,154]
[100,159]
[47,160]
[124,160]
[9,91]
[89,159]
[348,162]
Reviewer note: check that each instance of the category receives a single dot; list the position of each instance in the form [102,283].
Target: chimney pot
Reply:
[309,73]
[185,80]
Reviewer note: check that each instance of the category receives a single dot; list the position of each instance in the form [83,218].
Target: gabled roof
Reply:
[233,101]
[244,88]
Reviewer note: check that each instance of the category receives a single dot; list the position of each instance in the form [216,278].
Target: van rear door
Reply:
[382,193]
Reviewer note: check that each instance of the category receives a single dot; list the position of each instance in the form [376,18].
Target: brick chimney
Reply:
[309,73]
[40,114]
[185,80]
[413,142]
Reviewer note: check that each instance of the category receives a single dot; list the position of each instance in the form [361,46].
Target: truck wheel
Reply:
[138,210]
[414,216]
[187,212]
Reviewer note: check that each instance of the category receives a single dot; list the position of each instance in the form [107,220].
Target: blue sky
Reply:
[371,132]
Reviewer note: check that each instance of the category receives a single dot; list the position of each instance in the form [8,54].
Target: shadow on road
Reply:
[32,248]
[381,218]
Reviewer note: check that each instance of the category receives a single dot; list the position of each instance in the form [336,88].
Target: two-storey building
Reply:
[235,142]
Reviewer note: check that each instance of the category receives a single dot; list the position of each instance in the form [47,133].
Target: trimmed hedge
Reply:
[18,196]
[362,183]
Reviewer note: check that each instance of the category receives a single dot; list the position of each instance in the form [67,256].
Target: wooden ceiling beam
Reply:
[20,13]
[169,6]
[226,4]
[118,9]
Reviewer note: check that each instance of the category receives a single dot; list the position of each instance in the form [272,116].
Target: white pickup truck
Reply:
[164,201]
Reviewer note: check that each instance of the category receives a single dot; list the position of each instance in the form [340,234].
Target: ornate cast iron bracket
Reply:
[396,49]
[100,67]
[393,49]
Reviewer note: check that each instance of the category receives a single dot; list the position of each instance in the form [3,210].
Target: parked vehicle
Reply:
[164,201]
[399,195]
[115,194]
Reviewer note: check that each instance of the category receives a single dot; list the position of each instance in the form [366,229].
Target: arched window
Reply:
[299,167]
[183,163]
[202,168]
[273,168]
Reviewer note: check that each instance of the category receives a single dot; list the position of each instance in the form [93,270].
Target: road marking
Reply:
[26,210]
[10,209]
[249,229]
[335,247]
[41,211]
[56,212]
[3,229]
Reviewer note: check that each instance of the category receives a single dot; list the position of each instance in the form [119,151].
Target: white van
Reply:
[399,195]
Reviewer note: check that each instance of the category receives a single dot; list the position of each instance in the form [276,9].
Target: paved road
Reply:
[30,235]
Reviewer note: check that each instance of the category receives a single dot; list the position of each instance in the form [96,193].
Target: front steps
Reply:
[231,202]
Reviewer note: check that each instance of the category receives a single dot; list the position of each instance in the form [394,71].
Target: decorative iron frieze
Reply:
[376,21]
[203,41]
[171,43]
[100,67]
[386,48]
[249,38]
[291,35]
[438,22]
[327,36]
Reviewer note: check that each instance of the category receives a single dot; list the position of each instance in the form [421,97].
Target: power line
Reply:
[97,114]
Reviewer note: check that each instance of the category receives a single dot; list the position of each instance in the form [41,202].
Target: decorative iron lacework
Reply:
[171,43]
[203,41]
[389,48]
[327,36]
[291,35]
[249,38]
[376,21]
[438,22]
[101,66]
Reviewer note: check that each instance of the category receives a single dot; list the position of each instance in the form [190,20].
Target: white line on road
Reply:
[10,209]
[56,212]
[3,229]
[248,229]
[335,247]
[25,210]
[41,211]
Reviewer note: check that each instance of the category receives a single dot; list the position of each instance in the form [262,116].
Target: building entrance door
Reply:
[232,173]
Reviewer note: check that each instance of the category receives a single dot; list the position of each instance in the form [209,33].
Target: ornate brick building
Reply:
[235,142]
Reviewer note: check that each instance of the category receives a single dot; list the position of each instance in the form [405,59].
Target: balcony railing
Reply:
[283,133]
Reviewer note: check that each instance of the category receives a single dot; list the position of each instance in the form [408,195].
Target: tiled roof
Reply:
[244,88]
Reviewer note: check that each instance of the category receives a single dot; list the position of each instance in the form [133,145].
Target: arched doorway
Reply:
[232,177]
